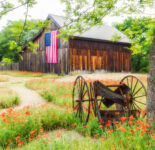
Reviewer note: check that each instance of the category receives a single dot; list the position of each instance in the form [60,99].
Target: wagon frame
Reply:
[89,99]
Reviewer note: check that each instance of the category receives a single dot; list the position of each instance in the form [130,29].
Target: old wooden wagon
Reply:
[89,51]
[108,102]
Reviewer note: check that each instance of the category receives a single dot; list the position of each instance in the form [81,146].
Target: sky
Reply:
[45,7]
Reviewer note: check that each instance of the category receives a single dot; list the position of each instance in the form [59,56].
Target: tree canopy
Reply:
[10,44]
[140,32]
[83,14]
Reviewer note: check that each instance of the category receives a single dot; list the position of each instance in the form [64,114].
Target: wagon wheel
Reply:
[81,99]
[137,93]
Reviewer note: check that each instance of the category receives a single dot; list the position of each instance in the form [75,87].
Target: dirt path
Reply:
[27,97]
[95,76]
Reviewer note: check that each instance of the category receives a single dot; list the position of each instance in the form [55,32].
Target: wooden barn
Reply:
[90,51]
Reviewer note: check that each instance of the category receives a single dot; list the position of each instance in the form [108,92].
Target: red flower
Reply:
[123,119]
[27,113]
[150,119]
[131,118]
[17,137]
[101,120]
[84,126]
[102,139]
[107,125]
[132,131]
[73,125]
[32,132]
[143,112]
[9,140]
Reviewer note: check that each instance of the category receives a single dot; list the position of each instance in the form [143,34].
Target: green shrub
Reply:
[48,96]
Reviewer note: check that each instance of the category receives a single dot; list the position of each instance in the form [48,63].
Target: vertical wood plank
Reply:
[89,60]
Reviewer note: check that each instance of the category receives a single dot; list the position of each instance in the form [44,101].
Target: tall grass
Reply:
[57,93]
[8,98]
[28,74]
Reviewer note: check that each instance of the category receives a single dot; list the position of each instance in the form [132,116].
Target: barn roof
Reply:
[104,32]
[97,32]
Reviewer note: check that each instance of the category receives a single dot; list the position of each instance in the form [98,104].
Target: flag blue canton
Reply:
[48,39]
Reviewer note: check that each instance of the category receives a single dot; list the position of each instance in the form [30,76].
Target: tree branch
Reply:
[27,7]
[14,8]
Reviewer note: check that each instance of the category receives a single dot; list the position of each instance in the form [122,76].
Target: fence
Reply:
[12,66]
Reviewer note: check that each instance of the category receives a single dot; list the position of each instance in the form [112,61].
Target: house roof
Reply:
[103,32]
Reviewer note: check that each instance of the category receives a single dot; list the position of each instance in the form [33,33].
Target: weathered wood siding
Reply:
[98,55]
[78,54]
[37,62]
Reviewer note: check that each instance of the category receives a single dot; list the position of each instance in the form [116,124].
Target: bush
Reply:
[140,63]
[50,98]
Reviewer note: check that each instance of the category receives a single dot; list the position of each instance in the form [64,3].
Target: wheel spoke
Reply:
[133,106]
[84,93]
[131,83]
[139,96]
[140,102]
[137,106]
[137,91]
[83,88]
[135,87]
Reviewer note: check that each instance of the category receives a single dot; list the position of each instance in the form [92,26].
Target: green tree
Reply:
[10,44]
[140,32]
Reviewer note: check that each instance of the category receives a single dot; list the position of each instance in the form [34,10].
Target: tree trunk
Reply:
[151,85]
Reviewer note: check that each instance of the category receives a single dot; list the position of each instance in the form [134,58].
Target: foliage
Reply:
[7,6]
[12,40]
[140,32]
[115,37]
[85,13]
[8,98]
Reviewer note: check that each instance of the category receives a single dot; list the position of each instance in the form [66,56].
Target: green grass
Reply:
[8,98]
[3,79]
[60,93]
[70,140]
[28,74]
[19,128]
[57,93]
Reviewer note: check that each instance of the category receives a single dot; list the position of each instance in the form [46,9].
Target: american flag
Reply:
[51,47]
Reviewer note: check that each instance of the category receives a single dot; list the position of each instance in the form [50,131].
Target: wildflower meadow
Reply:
[54,126]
